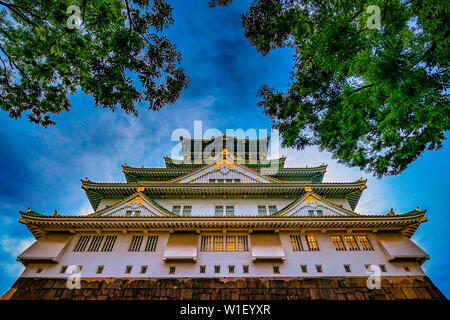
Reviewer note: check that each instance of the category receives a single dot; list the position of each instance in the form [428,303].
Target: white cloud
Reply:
[14,246]
[376,199]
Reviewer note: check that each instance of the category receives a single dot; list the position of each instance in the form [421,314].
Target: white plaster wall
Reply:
[243,207]
[115,262]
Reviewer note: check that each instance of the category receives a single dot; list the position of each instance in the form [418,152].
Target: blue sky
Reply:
[42,168]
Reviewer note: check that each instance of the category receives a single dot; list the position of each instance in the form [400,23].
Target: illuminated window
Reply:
[338,243]
[218,243]
[312,243]
[351,243]
[231,243]
[224,243]
[304,268]
[364,243]
[296,242]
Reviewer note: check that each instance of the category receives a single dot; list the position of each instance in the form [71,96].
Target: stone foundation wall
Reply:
[393,288]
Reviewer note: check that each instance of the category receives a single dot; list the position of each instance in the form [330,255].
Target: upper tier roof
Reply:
[245,149]
[308,174]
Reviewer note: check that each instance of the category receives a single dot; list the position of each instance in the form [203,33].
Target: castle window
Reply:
[383,268]
[338,243]
[312,243]
[364,243]
[63,269]
[245,269]
[172,269]
[262,210]
[202,269]
[296,242]
[137,213]
[128,269]
[319,212]
[272,209]
[95,243]
[406,268]
[100,269]
[176,209]
[319,268]
[216,269]
[128,213]
[230,269]
[276,269]
[218,243]
[187,210]
[144,269]
[237,180]
[82,244]
[38,270]
[219,211]
[230,210]
[136,243]
[229,180]
[152,241]
[108,245]
[347,268]
[304,268]
[311,212]
[351,243]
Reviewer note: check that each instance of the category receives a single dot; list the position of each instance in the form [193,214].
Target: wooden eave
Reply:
[39,225]
[96,191]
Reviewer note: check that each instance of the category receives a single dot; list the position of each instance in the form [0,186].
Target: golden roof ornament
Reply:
[308,189]
[29,210]
[140,189]
[56,214]
[417,208]
[391,213]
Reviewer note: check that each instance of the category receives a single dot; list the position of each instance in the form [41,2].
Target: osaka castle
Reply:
[224,222]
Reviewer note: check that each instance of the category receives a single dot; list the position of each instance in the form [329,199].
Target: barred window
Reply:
[100,269]
[351,243]
[219,211]
[108,245]
[319,268]
[312,243]
[152,241]
[338,243]
[230,210]
[272,209]
[296,242]
[245,269]
[276,269]
[128,269]
[187,210]
[347,268]
[144,269]
[138,240]
[136,243]
[364,243]
[202,269]
[216,269]
[176,209]
[230,269]
[304,268]
[262,210]
[172,269]
[218,243]
[82,243]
